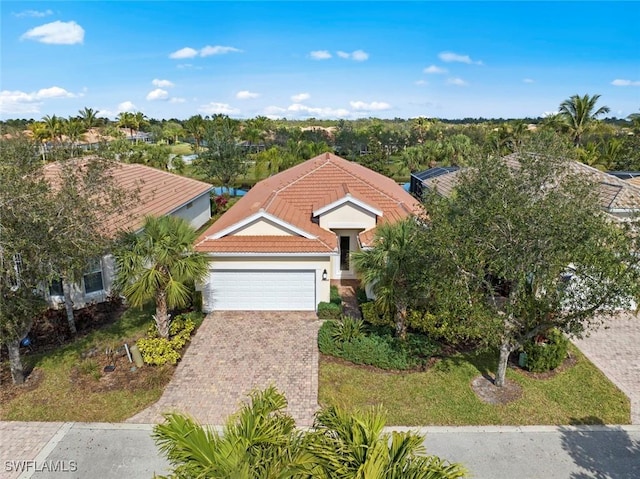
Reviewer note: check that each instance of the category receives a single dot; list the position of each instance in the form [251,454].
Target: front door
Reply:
[345,243]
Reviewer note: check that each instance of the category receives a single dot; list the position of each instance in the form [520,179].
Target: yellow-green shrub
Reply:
[158,351]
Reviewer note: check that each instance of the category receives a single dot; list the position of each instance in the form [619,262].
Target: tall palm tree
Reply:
[578,112]
[55,127]
[40,135]
[126,120]
[74,130]
[88,117]
[196,127]
[158,264]
[389,268]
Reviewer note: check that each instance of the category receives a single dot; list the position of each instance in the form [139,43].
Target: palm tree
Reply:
[126,120]
[88,117]
[40,135]
[578,112]
[261,441]
[389,268]
[74,130]
[55,127]
[158,264]
[196,127]
[353,446]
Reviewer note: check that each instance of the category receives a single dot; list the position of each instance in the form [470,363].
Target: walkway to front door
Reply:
[234,352]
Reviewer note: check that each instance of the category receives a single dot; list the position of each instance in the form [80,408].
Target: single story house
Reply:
[280,245]
[159,193]
[619,198]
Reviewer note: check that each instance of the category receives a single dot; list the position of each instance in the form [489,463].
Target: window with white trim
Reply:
[93,277]
[55,288]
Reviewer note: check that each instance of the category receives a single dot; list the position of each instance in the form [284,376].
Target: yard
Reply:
[577,394]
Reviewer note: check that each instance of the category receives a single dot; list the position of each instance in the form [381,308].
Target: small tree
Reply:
[390,268]
[525,244]
[159,264]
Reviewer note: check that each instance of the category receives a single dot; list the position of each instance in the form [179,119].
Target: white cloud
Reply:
[619,82]
[421,82]
[33,13]
[274,112]
[528,80]
[450,57]
[300,97]
[57,33]
[320,55]
[54,92]
[246,95]
[22,102]
[217,50]
[373,106]
[214,108]
[157,94]
[161,83]
[456,81]
[126,106]
[186,52]
[357,55]
[435,70]
[299,109]
[176,99]
[105,113]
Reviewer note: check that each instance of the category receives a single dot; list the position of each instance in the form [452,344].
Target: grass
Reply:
[64,386]
[182,149]
[442,395]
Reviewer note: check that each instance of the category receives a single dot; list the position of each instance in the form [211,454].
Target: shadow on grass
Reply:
[485,362]
[602,452]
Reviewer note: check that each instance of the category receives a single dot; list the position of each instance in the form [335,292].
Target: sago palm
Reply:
[158,264]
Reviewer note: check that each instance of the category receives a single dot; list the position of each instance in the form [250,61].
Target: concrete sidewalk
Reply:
[105,451]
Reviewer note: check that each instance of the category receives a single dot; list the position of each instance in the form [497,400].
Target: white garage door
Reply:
[292,290]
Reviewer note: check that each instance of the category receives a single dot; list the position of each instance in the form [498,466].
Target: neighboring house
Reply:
[159,193]
[619,198]
[280,245]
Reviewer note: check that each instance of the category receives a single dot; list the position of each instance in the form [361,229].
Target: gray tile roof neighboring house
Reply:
[616,195]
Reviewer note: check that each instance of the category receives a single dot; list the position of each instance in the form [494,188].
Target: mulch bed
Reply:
[488,392]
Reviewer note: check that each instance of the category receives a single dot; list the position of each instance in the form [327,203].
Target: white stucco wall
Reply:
[348,215]
[315,263]
[198,213]
[263,227]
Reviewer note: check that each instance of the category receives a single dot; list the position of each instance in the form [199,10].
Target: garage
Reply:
[267,290]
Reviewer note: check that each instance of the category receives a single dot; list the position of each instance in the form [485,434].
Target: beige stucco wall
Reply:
[199,212]
[347,215]
[263,227]
[316,263]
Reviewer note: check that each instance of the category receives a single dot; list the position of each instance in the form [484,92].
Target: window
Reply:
[93,277]
[55,288]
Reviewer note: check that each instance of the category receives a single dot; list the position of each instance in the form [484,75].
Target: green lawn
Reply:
[443,396]
[64,386]
[182,149]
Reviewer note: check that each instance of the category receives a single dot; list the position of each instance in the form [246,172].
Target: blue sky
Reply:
[317,59]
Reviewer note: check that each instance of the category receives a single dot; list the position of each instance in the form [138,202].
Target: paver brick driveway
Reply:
[615,349]
[234,352]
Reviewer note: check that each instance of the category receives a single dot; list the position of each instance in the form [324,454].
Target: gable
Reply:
[348,215]
[263,227]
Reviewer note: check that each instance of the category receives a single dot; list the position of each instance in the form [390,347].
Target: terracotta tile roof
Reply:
[614,193]
[294,194]
[159,192]
[264,244]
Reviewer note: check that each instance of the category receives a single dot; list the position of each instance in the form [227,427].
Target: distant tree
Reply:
[527,249]
[89,118]
[195,126]
[158,265]
[126,120]
[578,112]
[74,131]
[222,159]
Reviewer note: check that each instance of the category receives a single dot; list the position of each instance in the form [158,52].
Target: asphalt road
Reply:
[538,452]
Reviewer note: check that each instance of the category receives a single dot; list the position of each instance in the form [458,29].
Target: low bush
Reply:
[157,351]
[372,315]
[548,354]
[348,329]
[329,310]
[334,296]
[375,346]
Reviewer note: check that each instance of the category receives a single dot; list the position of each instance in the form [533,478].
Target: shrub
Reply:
[329,310]
[361,296]
[372,315]
[375,346]
[334,296]
[348,329]
[545,356]
[157,351]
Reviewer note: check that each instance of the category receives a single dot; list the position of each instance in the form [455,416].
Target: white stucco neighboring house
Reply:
[280,245]
[160,193]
